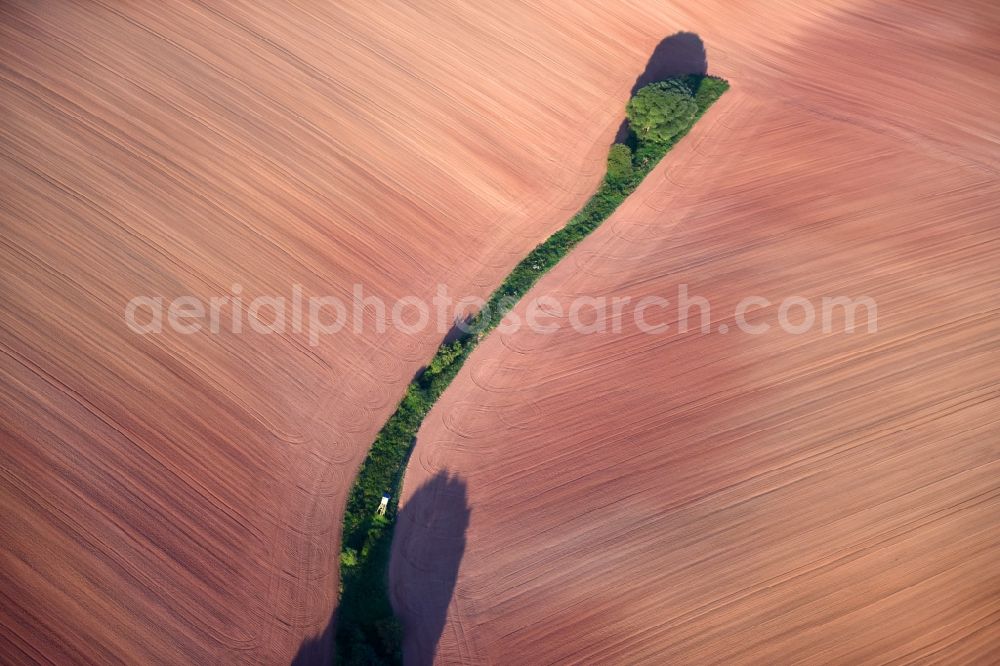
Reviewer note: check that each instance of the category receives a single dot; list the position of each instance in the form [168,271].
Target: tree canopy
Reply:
[661,110]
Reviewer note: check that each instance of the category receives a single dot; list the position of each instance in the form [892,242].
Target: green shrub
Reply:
[619,164]
[348,558]
[707,90]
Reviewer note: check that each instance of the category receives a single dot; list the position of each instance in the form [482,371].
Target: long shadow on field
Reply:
[677,55]
[426,552]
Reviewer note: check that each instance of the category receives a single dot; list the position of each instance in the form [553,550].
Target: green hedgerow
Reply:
[367,631]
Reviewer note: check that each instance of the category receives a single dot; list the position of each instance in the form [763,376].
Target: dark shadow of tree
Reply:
[677,55]
[426,552]
[427,547]
[318,649]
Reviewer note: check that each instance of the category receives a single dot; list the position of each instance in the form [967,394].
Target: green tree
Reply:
[661,111]
[619,164]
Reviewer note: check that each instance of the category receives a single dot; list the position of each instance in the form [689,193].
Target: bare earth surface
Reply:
[175,498]
[699,498]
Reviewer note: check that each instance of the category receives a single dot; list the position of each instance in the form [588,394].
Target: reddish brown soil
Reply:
[718,498]
[178,498]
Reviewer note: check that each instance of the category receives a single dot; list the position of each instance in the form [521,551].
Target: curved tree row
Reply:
[659,114]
